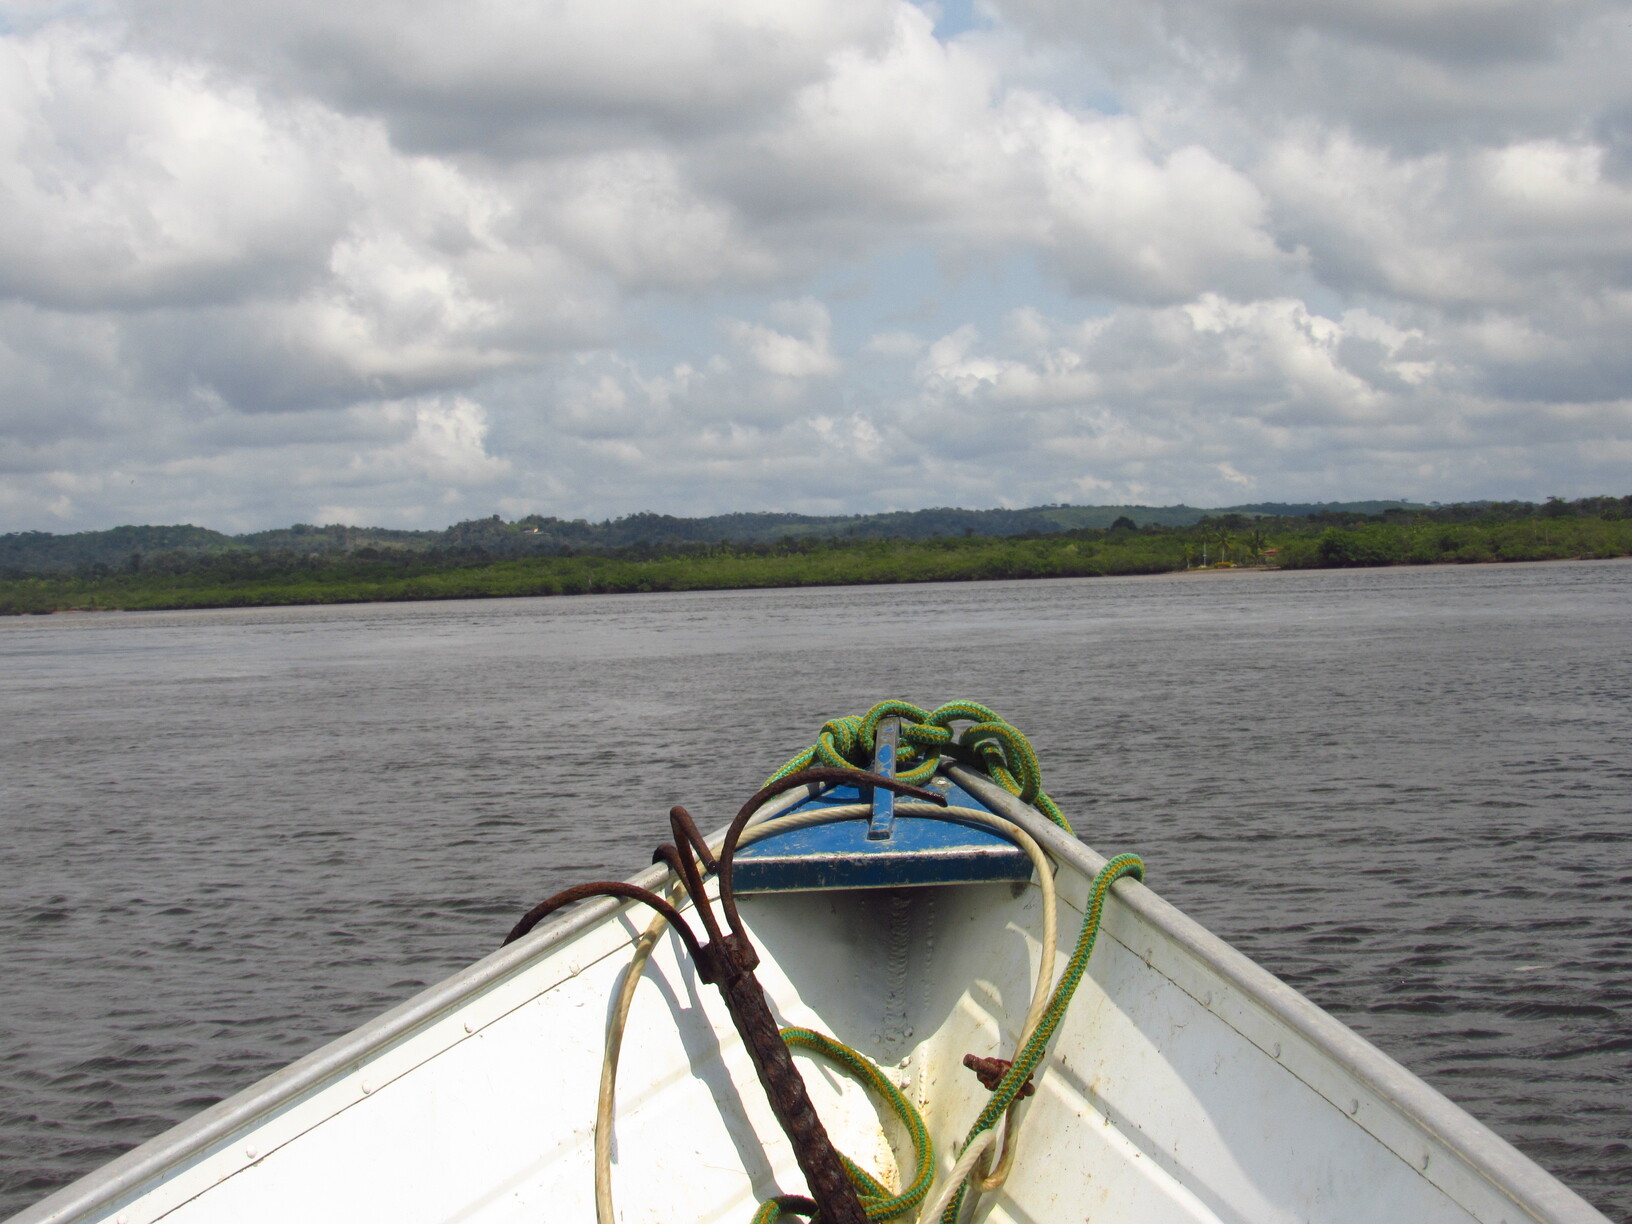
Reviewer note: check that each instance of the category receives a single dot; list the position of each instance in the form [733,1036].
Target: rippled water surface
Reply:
[229,836]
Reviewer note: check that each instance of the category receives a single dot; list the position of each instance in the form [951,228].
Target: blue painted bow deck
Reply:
[892,849]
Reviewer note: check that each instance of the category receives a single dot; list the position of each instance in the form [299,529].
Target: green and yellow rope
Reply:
[876,1199]
[1030,1056]
[991,744]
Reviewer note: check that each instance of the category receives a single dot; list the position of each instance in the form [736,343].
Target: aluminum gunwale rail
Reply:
[150,1162]
[1531,1188]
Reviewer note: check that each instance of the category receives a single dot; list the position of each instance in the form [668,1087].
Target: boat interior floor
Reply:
[1168,1094]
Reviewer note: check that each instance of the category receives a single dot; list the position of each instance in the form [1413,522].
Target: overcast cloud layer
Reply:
[406,263]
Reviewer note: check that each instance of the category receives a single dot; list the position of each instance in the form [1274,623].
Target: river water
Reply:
[229,836]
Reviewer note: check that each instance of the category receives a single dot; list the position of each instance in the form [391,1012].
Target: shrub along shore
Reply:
[1592,528]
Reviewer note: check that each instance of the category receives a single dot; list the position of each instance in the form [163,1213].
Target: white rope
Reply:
[965,1166]
[609,1061]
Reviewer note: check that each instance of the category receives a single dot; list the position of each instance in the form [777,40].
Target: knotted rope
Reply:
[991,744]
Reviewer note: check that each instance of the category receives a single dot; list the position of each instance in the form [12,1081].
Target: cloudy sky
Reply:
[408,263]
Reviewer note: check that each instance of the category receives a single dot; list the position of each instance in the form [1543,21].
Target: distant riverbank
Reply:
[259,581]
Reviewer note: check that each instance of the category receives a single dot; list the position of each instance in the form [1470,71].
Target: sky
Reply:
[405,264]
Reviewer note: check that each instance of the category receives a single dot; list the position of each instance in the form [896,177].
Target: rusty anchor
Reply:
[728,961]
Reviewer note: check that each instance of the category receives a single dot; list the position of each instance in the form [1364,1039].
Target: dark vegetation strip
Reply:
[1591,528]
[38,552]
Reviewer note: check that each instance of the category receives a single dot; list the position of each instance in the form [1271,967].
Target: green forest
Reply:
[187,567]
[39,552]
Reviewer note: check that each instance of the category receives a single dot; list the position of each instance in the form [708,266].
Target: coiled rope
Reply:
[998,749]
[991,744]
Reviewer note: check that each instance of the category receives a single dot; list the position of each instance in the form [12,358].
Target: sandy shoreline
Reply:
[1199,574]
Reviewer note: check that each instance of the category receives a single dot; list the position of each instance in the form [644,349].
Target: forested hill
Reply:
[126,548]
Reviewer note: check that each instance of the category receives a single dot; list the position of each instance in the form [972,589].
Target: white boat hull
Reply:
[1186,1084]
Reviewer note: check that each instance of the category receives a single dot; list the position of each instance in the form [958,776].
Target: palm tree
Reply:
[1223,538]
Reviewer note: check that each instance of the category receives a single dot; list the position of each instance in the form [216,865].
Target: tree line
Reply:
[1556,529]
[131,548]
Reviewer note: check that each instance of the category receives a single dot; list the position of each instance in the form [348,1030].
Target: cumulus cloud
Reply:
[265,263]
[508,80]
[132,183]
[1267,392]
[1410,74]
[790,356]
